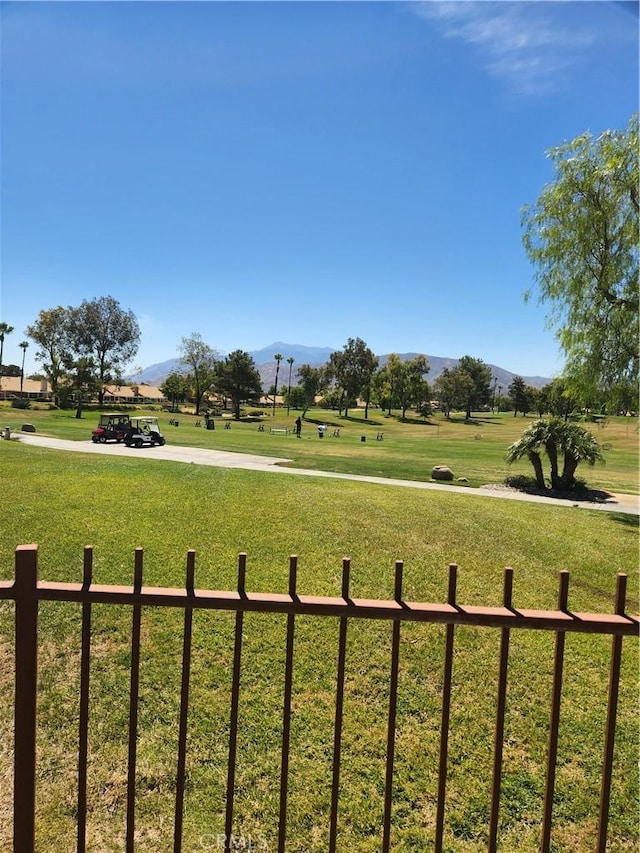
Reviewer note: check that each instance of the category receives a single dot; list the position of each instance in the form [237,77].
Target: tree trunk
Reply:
[535,460]
[567,480]
[552,453]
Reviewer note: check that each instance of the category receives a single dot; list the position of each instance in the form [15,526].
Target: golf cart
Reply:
[143,432]
[112,426]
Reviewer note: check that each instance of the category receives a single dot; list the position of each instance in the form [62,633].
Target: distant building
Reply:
[136,395]
[40,390]
[33,389]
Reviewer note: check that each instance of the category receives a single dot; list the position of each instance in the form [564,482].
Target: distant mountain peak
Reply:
[264,359]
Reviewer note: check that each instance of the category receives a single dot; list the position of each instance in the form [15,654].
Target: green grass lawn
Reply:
[409,450]
[65,501]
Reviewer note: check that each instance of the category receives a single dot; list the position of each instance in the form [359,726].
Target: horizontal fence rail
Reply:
[27,591]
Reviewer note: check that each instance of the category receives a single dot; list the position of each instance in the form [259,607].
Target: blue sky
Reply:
[301,172]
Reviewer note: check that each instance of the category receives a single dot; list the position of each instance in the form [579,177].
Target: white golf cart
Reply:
[143,432]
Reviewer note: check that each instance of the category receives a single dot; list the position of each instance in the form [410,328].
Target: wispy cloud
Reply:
[524,44]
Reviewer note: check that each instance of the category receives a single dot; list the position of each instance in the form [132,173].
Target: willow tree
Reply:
[582,238]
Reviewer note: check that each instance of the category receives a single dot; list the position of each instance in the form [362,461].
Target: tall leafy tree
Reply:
[176,387]
[201,362]
[407,380]
[237,378]
[453,388]
[518,395]
[558,399]
[83,380]
[353,369]
[106,335]
[383,387]
[582,237]
[415,388]
[296,398]
[479,391]
[50,333]
[312,381]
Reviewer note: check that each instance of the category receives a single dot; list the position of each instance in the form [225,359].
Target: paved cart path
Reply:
[628,504]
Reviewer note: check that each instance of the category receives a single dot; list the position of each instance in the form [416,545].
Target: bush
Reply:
[21,403]
[521,482]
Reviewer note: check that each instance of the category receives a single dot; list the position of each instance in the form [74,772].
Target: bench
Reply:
[227,425]
[174,423]
[279,430]
[380,436]
[336,432]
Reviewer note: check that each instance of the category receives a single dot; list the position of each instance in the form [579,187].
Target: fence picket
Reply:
[610,730]
[83,723]
[337,728]
[286,710]
[554,725]
[445,713]
[134,691]
[391,725]
[235,700]
[26,591]
[184,706]
[500,711]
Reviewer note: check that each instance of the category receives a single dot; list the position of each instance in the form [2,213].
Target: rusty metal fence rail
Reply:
[27,591]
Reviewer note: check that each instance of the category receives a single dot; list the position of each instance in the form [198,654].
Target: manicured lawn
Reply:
[64,501]
[409,450]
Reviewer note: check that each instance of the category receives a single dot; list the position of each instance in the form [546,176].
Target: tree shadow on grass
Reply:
[630,521]
[477,421]
[580,494]
[340,419]
[418,422]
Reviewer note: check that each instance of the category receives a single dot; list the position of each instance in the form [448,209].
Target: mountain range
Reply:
[264,360]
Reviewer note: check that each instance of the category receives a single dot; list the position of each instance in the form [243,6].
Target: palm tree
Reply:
[290,361]
[278,357]
[556,438]
[23,346]
[5,329]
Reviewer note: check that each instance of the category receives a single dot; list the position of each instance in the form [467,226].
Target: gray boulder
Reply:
[441,472]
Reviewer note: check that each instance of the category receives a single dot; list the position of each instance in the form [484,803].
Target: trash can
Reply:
[6,433]
[363,438]
[321,430]
[211,424]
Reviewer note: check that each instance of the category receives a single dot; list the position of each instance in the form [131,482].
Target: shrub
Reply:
[21,403]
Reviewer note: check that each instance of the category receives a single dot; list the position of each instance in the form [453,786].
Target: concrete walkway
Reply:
[627,504]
